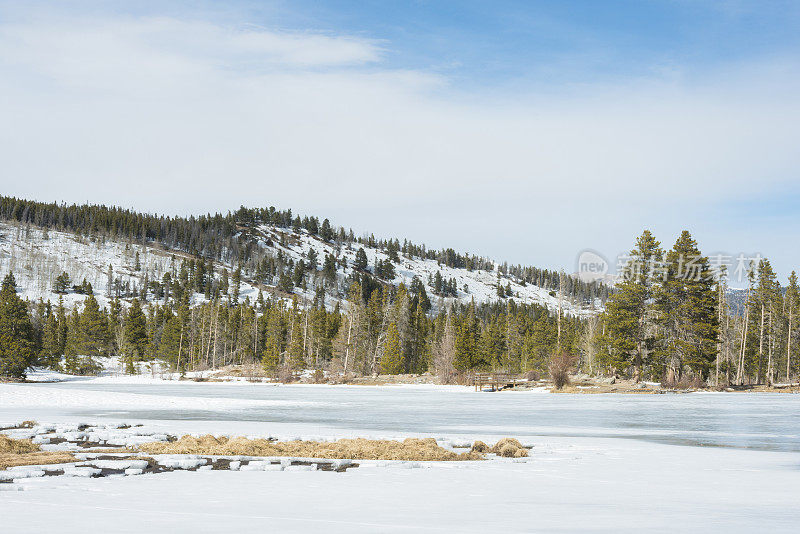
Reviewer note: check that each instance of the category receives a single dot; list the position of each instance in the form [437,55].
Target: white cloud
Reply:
[189,116]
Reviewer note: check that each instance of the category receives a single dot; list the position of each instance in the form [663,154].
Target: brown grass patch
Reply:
[35,458]
[480,447]
[16,446]
[14,452]
[411,449]
[509,448]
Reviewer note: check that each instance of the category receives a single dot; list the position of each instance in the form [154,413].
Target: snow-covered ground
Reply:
[480,285]
[37,258]
[697,462]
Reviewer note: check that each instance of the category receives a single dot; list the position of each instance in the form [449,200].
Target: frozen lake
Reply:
[754,421]
[603,463]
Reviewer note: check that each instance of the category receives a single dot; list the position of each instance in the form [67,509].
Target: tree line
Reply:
[387,330]
[669,319]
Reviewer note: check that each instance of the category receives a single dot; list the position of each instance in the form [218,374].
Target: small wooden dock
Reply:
[495,381]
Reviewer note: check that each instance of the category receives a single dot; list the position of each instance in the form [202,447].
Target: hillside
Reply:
[37,256]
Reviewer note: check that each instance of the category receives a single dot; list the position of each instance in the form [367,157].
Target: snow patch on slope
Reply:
[37,257]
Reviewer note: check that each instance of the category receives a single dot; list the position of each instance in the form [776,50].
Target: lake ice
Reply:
[693,462]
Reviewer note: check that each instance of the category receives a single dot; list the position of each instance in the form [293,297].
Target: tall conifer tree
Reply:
[629,318]
[16,331]
[686,305]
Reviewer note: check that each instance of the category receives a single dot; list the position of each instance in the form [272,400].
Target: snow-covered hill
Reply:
[37,257]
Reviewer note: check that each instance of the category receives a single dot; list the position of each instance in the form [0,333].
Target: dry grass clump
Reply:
[16,446]
[480,447]
[509,448]
[35,458]
[14,452]
[411,449]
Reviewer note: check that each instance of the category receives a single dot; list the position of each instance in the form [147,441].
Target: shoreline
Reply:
[579,384]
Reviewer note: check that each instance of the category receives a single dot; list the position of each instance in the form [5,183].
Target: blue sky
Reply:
[526,131]
[486,43]
[579,41]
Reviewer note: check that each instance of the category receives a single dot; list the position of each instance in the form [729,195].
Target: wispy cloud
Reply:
[181,115]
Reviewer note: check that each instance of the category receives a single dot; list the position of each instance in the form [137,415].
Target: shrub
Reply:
[684,382]
[286,375]
[319,376]
[560,366]
[83,366]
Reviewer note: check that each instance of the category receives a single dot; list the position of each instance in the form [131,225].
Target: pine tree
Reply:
[166,284]
[385,269]
[93,329]
[392,248]
[285,283]
[326,233]
[628,316]
[171,340]
[438,288]
[16,332]
[492,343]
[766,295]
[51,346]
[329,269]
[686,304]
[541,343]
[273,339]
[62,283]
[224,282]
[236,283]
[391,360]
[135,337]
[199,274]
[72,342]
[466,342]
[312,258]
[298,276]
[361,260]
